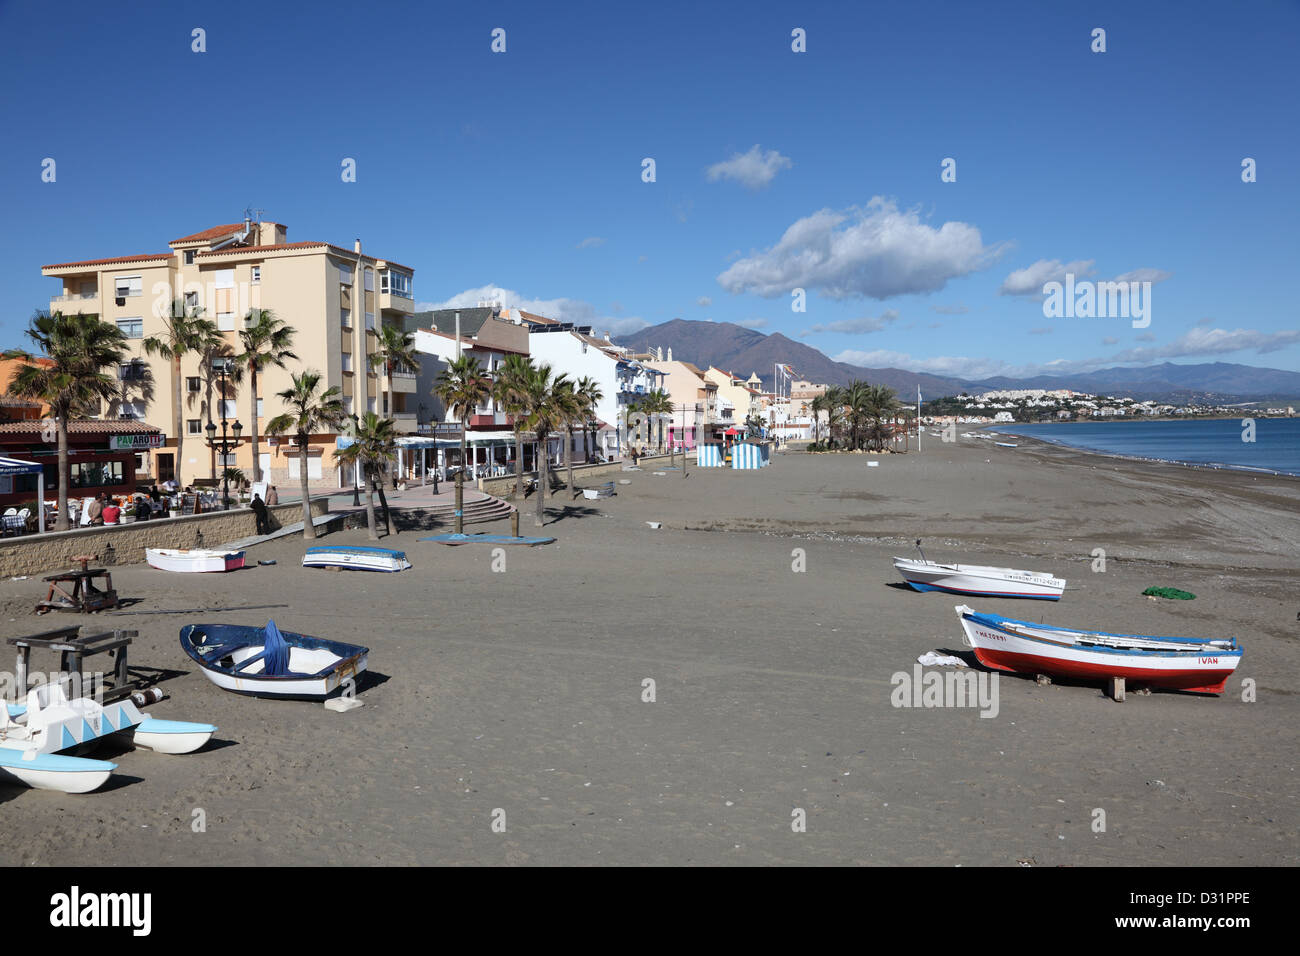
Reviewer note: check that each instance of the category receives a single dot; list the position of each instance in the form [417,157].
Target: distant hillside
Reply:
[743,351]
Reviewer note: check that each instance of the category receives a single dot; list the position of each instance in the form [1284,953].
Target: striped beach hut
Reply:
[748,455]
[709,455]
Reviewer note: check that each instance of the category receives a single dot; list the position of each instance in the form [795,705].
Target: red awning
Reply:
[733,431]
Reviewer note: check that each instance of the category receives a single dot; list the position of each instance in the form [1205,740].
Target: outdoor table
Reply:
[72,651]
[84,597]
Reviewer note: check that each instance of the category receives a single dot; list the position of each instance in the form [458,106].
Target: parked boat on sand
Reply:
[266,662]
[1175,663]
[978,579]
[355,557]
[193,559]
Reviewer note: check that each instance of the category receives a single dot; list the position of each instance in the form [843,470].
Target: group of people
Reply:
[108,510]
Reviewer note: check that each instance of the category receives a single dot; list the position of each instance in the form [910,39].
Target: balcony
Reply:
[404,382]
[396,302]
[405,422]
[75,298]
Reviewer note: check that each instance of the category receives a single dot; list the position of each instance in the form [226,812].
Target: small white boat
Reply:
[193,559]
[32,736]
[1007,444]
[266,662]
[355,557]
[979,579]
[1175,663]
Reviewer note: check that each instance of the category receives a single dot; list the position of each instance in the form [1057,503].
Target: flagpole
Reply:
[918,416]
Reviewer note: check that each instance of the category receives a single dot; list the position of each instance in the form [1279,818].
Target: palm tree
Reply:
[656,405]
[857,400]
[835,401]
[819,404]
[309,412]
[571,411]
[631,409]
[544,403]
[266,341]
[882,401]
[80,347]
[507,390]
[184,331]
[393,348]
[590,395]
[463,386]
[374,444]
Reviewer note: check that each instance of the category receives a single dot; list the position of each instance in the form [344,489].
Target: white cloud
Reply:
[753,170]
[563,309]
[877,252]
[591,242]
[1199,341]
[860,326]
[704,302]
[1030,280]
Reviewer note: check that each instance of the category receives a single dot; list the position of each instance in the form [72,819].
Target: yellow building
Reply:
[734,389]
[333,298]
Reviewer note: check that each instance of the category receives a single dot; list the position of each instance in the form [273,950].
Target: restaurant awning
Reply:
[16,466]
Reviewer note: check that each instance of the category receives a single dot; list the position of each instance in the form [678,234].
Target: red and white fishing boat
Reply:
[1175,663]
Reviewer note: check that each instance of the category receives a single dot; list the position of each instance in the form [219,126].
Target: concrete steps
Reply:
[479,508]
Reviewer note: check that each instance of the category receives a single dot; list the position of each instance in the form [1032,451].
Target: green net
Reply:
[1172,594]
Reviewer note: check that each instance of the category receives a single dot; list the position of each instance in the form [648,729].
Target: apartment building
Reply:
[735,392]
[695,401]
[333,298]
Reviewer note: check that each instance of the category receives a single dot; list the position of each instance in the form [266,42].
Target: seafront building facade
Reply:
[333,298]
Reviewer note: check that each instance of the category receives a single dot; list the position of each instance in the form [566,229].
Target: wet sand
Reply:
[521,690]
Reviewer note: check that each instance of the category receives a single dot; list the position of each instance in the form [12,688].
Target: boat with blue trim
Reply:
[268,662]
[355,557]
[1195,664]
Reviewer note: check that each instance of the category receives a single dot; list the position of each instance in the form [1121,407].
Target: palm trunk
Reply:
[308,529]
[62,523]
[176,417]
[568,460]
[519,464]
[212,452]
[370,506]
[252,382]
[541,479]
[460,480]
[383,500]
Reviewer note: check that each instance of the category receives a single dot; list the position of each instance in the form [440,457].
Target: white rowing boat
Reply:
[355,557]
[193,559]
[980,580]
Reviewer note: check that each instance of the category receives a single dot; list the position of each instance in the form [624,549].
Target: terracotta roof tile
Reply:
[102,262]
[85,426]
[216,232]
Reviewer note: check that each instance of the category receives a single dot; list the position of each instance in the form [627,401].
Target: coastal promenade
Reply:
[767,614]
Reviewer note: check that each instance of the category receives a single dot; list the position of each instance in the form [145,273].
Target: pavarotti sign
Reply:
[135,442]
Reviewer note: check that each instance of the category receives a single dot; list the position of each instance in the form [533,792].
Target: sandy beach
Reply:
[522,690]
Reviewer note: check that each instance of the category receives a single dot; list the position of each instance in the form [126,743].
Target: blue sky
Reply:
[522,170]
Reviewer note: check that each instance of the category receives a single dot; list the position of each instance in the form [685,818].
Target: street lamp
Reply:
[225,443]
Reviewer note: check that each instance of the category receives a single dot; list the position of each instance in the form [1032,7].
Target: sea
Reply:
[1220,443]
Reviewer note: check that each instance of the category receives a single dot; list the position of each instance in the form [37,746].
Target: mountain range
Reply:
[742,351]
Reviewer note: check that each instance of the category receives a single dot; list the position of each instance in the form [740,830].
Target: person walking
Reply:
[263,520]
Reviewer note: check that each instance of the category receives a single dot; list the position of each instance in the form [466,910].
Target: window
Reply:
[127,286]
[370,280]
[227,461]
[191,300]
[396,283]
[257,275]
[347,405]
[132,410]
[370,404]
[142,464]
[259,408]
[225,321]
[347,318]
[194,426]
[131,371]
[132,328]
[189,257]
[95,474]
[227,408]
[345,274]
[223,279]
[370,320]
[347,361]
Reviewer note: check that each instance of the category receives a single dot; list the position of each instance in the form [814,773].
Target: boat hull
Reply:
[979,581]
[356,559]
[55,771]
[319,683]
[193,561]
[1028,649]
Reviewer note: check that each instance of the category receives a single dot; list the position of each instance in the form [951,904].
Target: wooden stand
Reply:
[84,597]
[1116,686]
[73,650]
